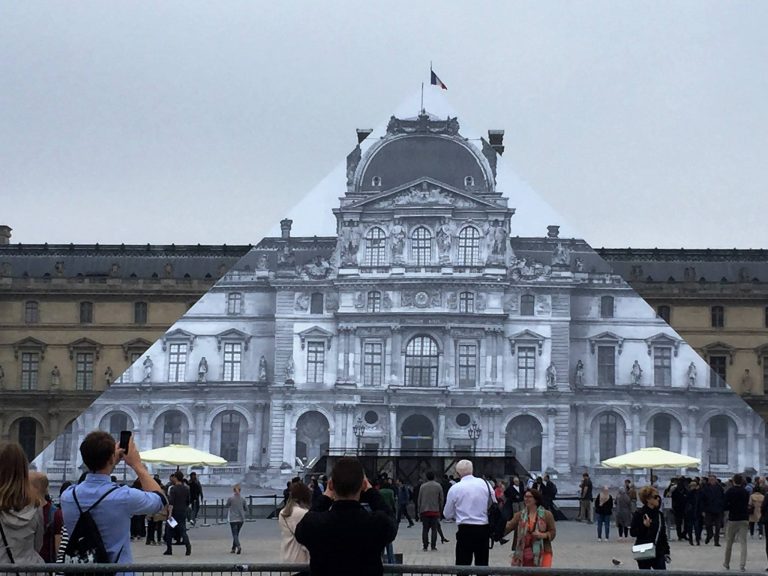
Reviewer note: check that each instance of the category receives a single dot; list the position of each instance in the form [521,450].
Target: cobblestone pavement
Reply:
[576,546]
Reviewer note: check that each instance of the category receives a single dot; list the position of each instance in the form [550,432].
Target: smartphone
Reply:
[125,439]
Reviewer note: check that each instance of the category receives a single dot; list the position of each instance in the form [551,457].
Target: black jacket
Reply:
[346,539]
[679,496]
[737,503]
[644,535]
[712,499]
[606,509]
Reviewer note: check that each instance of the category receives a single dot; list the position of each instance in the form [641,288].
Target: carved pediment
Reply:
[316,333]
[761,352]
[30,343]
[135,345]
[233,335]
[179,335]
[719,348]
[606,338]
[85,345]
[424,192]
[527,337]
[662,339]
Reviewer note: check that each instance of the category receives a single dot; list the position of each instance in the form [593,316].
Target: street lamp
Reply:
[359,430]
[474,432]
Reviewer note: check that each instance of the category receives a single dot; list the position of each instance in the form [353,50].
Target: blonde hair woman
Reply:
[292,513]
[648,526]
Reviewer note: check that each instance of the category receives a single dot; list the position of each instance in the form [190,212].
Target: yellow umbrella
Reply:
[651,458]
[181,455]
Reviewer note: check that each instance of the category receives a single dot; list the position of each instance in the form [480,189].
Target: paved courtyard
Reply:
[576,546]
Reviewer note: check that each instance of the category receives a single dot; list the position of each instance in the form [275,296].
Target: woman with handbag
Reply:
[21,521]
[534,528]
[651,549]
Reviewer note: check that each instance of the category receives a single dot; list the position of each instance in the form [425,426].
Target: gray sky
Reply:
[644,124]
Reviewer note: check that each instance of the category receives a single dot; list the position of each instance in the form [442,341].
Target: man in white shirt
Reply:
[467,503]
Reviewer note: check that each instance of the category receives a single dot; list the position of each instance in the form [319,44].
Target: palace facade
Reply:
[425,326]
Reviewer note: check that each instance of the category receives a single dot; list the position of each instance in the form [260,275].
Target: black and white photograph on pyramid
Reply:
[265,241]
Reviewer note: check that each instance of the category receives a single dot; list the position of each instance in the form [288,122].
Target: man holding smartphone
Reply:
[112,515]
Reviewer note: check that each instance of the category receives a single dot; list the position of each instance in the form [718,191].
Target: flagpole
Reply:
[422,97]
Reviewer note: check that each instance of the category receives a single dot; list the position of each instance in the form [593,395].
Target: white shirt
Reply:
[467,501]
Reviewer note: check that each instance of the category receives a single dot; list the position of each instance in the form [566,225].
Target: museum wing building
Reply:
[425,326]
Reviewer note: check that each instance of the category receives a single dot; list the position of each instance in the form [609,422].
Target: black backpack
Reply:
[85,545]
[496,521]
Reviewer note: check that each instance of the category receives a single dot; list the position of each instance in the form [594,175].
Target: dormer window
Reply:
[376,181]
[469,181]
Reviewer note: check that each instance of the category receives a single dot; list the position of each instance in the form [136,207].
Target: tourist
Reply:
[429,507]
[712,501]
[237,508]
[21,523]
[679,496]
[52,527]
[513,497]
[624,512]
[548,492]
[648,526]
[632,493]
[534,528]
[404,495]
[138,526]
[755,505]
[693,513]
[388,495]
[296,506]
[737,504]
[585,499]
[195,497]
[178,502]
[603,512]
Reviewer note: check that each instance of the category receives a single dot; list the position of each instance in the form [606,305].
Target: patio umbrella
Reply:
[651,458]
[181,455]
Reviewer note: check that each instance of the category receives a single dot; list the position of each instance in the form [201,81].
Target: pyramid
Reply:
[423,304]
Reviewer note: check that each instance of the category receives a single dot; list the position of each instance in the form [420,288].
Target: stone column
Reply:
[397,354]
[693,448]
[347,334]
[336,440]
[392,429]
[353,343]
[197,436]
[490,337]
[257,438]
[341,332]
[289,438]
[500,355]
[441,440]
[741,454]
[635,432]
[548,458]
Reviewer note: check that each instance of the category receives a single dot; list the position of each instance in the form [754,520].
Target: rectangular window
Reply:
[177,362]
[718,371]
[84,371]
[466,302]
[30,369]
[234,303]
[718,316]
[127,376]
[373,355]
[86,312]
[662,366]
[526,366]
[315,362]
[31,312]
[230,437]
[606,365]
[233,357]
[467,365]
[526,304]
[140,313]
[765,382]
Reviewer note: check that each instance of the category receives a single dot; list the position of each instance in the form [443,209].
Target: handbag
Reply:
[647,551]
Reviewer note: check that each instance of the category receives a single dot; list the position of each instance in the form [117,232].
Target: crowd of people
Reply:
[346,524]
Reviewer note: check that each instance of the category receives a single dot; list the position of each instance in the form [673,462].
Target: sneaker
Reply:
[599,539]
[425,549]
[434,548]
[726,566]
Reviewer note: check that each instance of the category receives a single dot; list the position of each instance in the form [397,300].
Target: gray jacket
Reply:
[24,531]
[237,508]
[431,497]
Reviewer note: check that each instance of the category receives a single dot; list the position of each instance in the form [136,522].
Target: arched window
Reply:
[526,304]
[63,445]
[28,437]
[31,312]
[466,302]
[664,312]
[469,181]
[376,181]
[234,303]
[469,246]
[662,428]
[316,303]
[229,448]
[607,432]
[421,362]
[718,440]
[375,247]
[373,302]
[172,428]
[606,307]
[118,421]
[421,247]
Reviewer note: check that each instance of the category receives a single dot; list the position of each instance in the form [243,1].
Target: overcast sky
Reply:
[643,124]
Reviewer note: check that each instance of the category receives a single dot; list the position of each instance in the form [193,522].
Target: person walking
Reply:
[534,528]
[693,514]
[388,495]
[467,502]
[603,511]
[429,507]
[296,506]
[755,505]
[21,520]
[624,512]
[195,497]
[712,500]
[585,499]
[403,497]
[648,526]
[178,501]
[236,507]
[737,504]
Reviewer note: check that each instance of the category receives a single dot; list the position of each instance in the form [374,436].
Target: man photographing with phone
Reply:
[110,506]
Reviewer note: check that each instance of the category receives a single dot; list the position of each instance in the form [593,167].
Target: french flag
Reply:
[435,81]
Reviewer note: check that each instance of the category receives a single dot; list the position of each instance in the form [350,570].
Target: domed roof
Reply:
[423,147]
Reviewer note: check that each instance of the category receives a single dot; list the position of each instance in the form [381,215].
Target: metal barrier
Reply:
[215,511]
[287,569]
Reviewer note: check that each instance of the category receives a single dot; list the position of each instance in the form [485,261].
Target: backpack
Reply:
[85,545]
[496,521]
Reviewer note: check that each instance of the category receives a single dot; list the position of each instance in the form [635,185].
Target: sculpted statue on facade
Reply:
[636,373]
[691,375]
[360,301]
[444,240]
[262,369]
[202,370]
[496,240]
[302,302]
[317,269]
[386,301]
[262,263]
[55,377]
[109,376]
[579,265]
[746,382]
[397,233]
[147,369]
[286,258]
[561,256]
[452,301]
[578,377]
[290,370]
[332,301]
[350,238]
[551,375]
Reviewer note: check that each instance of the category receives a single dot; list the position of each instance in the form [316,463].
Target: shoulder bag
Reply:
[647,551]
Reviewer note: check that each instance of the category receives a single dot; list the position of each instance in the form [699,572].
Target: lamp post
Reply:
[474,432]
[359,430]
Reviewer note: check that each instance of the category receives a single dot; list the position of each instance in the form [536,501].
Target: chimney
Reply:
[553,231]
[5,234]
[362,134]
[285,228]
[496,140]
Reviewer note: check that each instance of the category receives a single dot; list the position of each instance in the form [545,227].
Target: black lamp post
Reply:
[359,430]
[474,432]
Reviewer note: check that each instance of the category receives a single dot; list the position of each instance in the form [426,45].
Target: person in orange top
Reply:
[534,528]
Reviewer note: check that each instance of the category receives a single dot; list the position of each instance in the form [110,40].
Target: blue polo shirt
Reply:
[112,515]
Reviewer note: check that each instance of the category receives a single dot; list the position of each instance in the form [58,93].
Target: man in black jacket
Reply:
[348,527]
[712,500]
[737,504]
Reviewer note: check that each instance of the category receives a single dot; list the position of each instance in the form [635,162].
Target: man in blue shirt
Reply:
[101,454]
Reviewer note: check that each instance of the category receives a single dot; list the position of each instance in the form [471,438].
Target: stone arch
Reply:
[105,421]
[176,432]
[719,441]
[417,433]
[226,408]
[664,430]
[28,431]
[313,435]
[608,427]
[229,435]
[524,441]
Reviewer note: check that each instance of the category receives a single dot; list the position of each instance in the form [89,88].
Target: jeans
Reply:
[603,520]
[712,521]
[235,528]
[193,510]
[180,531]
[736,529]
